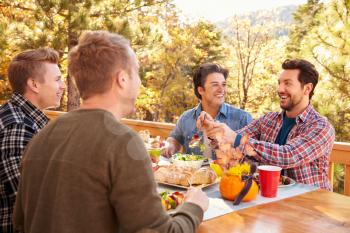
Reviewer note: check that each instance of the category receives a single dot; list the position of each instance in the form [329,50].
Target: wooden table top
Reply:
[318,211]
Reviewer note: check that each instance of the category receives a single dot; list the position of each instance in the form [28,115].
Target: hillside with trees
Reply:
[252,46]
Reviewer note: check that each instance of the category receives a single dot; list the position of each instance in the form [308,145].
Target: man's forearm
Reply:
[173,142]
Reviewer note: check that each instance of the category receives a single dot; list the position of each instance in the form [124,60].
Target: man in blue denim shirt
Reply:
[210,88]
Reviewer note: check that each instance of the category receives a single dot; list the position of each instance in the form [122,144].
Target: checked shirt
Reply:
[305,156]
[19,122]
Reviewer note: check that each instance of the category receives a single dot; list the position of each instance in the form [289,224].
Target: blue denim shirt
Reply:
[185,127]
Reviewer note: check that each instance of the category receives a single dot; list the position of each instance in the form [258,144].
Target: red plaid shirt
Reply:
[305,156]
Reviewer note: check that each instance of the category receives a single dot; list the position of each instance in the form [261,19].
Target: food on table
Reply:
[217,169]
[171,200]
[194,141]
[284,180]
[154,154]
[184,176]
[203,175]
[232,183]
[187,157]
[151,142]
[188,160]
[145,135]
[154,145]
[174,175]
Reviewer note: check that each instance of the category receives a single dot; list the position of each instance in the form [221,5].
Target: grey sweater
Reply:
[86,172]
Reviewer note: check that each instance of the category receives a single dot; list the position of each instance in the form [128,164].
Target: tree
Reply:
[304,21]
[247,43]
[58,24]
[5,56]
[326,44]
[168,64]
[330,46]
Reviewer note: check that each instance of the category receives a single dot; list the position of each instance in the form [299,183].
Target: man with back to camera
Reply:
[35,79]
[93,174]
[210,88]
[298,138]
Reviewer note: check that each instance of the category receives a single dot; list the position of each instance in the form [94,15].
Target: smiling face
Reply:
[214,91]
[51,88]
[293,95]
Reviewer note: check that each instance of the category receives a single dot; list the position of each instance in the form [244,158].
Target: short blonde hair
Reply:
[95,59]
[28,64]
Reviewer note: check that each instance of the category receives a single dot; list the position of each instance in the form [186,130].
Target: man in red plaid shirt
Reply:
[298,138]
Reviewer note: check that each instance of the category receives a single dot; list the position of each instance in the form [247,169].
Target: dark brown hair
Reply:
[200,76]
[307,74]
[29,64]
[95,59]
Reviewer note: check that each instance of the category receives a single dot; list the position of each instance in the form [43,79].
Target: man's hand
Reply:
[198,197]
[221,132]
[217,130]
[248,149]
[172,148]
[204,121]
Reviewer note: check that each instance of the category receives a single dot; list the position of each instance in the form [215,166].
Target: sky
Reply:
[215,10]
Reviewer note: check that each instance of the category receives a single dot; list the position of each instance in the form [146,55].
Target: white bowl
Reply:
[192,163]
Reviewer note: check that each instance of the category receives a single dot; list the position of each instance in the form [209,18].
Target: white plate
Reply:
[291,182]
[187,187]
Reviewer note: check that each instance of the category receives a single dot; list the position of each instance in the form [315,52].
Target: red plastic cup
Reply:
[269,178]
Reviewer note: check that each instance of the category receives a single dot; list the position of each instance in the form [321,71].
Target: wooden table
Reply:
[318,211]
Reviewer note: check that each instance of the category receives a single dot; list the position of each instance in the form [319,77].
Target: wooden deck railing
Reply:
[340,153]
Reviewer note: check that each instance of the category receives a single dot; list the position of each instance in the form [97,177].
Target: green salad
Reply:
[188,157]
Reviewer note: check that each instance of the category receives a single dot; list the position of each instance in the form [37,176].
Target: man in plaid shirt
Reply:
[36,83]
[297,139]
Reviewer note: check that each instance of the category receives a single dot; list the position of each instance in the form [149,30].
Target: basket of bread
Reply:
[185,177]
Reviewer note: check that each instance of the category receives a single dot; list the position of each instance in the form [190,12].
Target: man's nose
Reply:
[280,88]
[63,86]
[221,88]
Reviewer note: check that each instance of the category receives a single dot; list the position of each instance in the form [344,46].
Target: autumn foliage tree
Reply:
[58,24]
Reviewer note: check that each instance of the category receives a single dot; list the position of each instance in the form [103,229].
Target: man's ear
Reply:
[33,85]
[121,78]
[200,90]
[308,88]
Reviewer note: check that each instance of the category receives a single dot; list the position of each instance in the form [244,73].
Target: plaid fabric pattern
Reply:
[19,122]
[305,156]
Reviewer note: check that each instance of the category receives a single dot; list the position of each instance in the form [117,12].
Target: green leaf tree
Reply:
[58,24]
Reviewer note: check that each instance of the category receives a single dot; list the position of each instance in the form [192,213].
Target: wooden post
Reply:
[331,174]
[347,180]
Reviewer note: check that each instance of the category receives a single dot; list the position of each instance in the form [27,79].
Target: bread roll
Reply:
[203,175]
